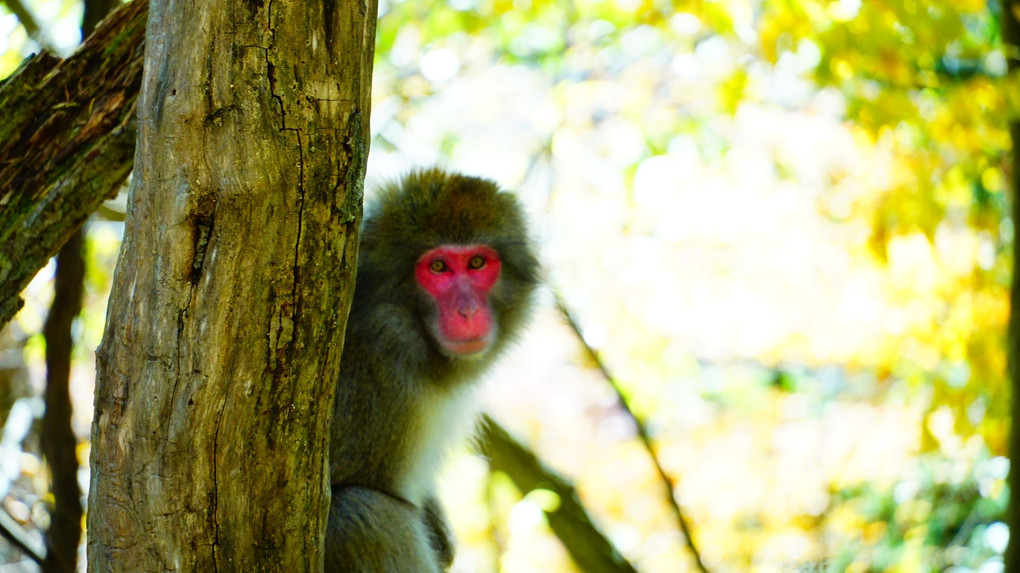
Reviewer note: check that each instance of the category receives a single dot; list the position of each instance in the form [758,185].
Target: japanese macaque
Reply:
[446,273]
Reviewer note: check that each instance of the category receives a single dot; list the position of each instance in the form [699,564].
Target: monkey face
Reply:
[458,279]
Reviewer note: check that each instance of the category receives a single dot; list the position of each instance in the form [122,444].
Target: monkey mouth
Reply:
[465,348]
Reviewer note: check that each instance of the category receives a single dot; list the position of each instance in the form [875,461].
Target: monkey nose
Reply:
[468,312]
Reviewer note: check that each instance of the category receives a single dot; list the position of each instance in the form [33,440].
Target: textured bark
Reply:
[65,144]
[224,331]
[1011,38]
[590,549]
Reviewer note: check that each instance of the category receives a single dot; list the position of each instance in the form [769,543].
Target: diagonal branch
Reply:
[66,143]
[642,431]
[570,522]
[13,532]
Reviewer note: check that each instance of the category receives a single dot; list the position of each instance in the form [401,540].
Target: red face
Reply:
[459,279]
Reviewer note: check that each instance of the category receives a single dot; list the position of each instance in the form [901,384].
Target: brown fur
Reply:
[401,402]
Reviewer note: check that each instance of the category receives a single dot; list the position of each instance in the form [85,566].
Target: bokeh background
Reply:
[782,228]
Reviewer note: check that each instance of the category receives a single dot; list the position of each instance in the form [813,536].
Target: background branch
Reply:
[28,21]
[642,431]
[59,444]
[13,532]
[589,548]
[24,16]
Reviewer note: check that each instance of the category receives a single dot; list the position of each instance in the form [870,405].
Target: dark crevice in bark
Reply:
[295,298]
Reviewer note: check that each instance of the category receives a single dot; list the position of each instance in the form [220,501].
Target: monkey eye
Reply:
[438,266]
[476,262]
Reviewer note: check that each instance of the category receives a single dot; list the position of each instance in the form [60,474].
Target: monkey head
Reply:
[461,248]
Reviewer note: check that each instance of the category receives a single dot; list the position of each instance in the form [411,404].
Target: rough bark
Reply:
[1011,38]
[65,144]
[589,548]
[225,325]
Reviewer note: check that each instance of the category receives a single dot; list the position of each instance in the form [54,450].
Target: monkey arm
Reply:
[372,532]
[439,532]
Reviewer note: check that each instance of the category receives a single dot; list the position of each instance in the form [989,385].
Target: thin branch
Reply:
[24,16]
[642,431]
[13,532]
[29,22]
[59,444]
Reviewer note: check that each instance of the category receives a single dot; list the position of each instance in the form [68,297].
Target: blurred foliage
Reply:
[927,80]
[935,518]
[783,223]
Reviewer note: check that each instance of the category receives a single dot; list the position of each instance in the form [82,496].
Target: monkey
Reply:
[445,279]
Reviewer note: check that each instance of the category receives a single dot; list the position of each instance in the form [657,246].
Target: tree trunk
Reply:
[224,331]
[65,144]
[1011,39]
